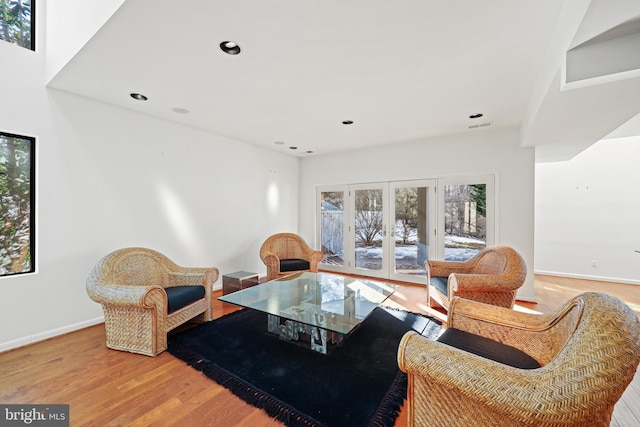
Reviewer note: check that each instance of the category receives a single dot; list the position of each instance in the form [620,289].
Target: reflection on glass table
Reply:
[325,307]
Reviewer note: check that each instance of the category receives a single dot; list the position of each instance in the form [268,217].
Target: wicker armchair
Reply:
[144,295]
[589,350]
[286,253]
[492,276]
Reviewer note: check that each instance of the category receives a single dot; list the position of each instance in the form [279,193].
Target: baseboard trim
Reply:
[31,339]
[588,277]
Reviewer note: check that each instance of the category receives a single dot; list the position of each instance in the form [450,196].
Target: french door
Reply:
[413,218]
[369,229]
[379,230]
[388,230]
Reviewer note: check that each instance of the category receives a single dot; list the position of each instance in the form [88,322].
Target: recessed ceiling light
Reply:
[309,152]
[139,97]
[230,47]
[279,143]
[347,122]
[476,116]
[180,110]
[293,148]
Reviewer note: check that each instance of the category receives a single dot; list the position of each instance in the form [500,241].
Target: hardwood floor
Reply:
[111,388]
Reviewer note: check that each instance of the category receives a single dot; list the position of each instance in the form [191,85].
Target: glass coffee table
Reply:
[316,309]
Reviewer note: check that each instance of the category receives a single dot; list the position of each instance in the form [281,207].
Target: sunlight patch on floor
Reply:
[400,295]
[634,307]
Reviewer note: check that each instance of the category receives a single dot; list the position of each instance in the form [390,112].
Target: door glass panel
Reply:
[332,227]
[411,225]
[369,230]
[465,222]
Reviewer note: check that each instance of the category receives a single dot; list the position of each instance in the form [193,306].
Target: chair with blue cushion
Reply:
[144,295]
[492,276]
[495,366]
[288,253]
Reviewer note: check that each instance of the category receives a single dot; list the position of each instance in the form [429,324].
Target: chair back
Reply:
[134,267]
[495,260]
[284,245]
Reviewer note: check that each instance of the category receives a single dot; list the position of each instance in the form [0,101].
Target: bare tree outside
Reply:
[368,217]
[406,214]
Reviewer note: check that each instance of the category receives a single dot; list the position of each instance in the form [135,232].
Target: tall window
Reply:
[465,222]
[17,22]
[17,222]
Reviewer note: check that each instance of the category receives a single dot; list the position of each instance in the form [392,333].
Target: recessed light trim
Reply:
[138,97]
[230,48]
[293,148]
[347,122]
[476,116]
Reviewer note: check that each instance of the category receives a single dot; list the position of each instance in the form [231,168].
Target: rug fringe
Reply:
[275,408]
[391,404]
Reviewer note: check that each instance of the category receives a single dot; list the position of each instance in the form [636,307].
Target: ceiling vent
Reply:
[480,125]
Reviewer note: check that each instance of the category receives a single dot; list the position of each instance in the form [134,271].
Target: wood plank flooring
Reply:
[111,388]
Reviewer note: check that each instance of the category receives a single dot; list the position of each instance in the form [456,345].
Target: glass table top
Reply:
[329,301]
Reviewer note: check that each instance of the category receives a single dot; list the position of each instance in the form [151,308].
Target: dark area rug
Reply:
[358,384]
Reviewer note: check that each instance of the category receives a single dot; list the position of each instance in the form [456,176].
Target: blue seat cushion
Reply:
[294,264]
[441,284]
[487,348]
[182,296]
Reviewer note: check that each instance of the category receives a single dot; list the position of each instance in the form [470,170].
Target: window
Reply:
[467,217]
[17,22]
[389,229]
[17,195]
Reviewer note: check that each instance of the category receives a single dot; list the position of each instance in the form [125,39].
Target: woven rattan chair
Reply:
[286,253]
[133,285]
[492,276]
[588,350]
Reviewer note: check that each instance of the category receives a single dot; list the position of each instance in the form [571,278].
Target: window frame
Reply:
[436,215]
[32,29]
[32,204]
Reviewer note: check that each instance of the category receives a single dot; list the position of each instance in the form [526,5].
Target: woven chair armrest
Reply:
[479,283]
[271,260]
[265,252]
[445,268]
[314,259]
[464,311]
[307,252]
[190,276]
[123,295]
[491,384]
[528,332]
[210,277]
[451,366]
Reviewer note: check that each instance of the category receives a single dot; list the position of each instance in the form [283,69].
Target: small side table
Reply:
[239,280]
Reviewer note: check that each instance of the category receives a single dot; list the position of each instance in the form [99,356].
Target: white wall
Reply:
[109,178]
[587,213]
[70,24]
[476,152]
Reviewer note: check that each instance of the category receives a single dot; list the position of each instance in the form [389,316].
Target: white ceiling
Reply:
[401,71]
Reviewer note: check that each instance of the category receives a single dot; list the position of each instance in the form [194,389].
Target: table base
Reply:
[318,339]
